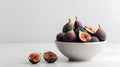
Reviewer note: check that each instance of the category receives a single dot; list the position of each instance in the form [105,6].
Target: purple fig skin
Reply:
[70,36]
[33,62]
[77,23]
[68,26]
[94,39]
[100,34]
[51,60]
[60,36]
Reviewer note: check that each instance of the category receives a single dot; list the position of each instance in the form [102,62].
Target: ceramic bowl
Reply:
[80,51]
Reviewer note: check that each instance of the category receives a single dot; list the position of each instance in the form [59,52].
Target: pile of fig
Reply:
[78,33]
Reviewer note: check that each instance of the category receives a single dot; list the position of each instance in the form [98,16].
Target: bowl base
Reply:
[81,60]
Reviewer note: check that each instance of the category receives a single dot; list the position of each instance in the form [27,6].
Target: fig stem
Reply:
[76,18]
[71,30]
[99,25]
[80,31]
[69,20]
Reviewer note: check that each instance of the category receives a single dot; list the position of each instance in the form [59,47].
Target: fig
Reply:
[60,36]
[90,29]
[50,57]
[94,39]
[34,57]
[70,36]
[77,32]
[84,36]
[68,26]
[77,23]
[100,33]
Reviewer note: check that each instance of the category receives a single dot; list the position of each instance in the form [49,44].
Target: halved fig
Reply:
[50,57]
[90,29]
[84,36]
[34,57]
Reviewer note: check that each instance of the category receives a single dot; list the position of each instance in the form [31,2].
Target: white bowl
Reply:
[80,51]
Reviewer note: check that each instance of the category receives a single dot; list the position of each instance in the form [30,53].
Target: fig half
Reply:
[50,57]
[84,37]
[90,29]
[34,57]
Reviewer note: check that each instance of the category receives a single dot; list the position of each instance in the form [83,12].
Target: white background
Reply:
[41,20]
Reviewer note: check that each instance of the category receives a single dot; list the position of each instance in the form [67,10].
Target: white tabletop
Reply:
[16,55]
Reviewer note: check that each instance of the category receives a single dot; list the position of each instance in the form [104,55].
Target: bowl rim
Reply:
[81,43]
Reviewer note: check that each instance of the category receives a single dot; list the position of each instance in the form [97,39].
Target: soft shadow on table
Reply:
[61,61]
[66,60]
